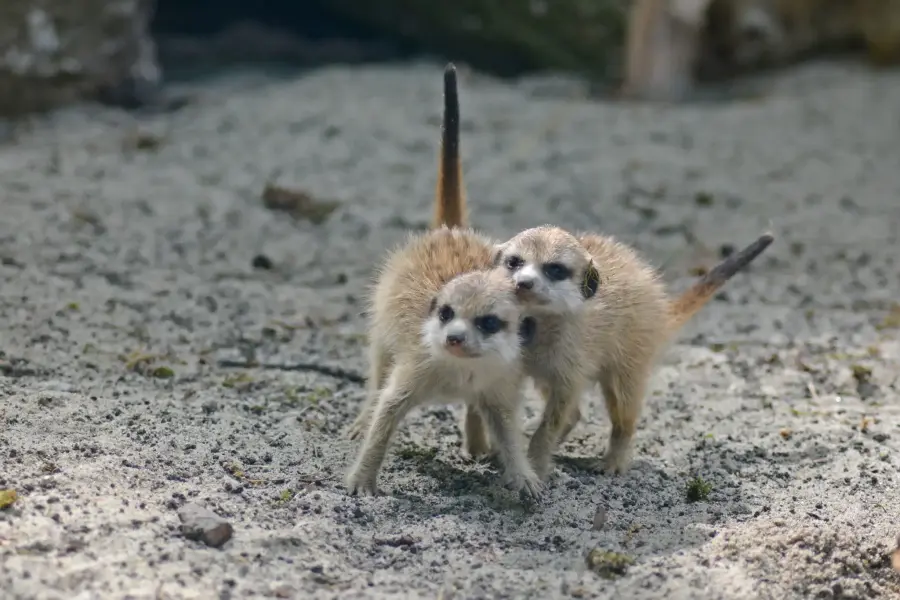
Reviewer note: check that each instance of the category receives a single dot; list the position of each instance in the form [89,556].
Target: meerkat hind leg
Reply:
[392,405]
[574,417]
[623,392]
[503,421]
[378,370]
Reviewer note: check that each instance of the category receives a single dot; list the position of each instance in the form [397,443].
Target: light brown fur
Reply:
[411,358]
[614,340]
[411,364]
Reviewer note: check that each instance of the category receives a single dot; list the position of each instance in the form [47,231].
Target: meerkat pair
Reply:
[444,327]
[456,315]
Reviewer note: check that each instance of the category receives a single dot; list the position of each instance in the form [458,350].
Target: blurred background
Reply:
[52,51]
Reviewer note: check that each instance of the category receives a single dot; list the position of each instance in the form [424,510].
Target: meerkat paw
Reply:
[478,449]
[542,463]
[357,429]
[526,483]
[617,460]
[361,484]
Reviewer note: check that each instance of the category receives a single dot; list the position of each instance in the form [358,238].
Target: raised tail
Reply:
[450,197]
[686,305]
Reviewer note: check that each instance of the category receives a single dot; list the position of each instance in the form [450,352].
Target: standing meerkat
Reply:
[619,333]
[444,327]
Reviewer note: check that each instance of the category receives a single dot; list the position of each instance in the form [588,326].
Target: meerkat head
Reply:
[476,315]
[551,270]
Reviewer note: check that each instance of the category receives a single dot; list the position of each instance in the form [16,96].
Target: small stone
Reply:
[283,591]
[198,523]
[599,518]
[261,261]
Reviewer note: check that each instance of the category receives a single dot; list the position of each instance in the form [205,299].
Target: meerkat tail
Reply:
[450,199]
[686,305]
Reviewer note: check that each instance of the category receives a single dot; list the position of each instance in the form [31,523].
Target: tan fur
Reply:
[614,339]
[450,197]
[410,365]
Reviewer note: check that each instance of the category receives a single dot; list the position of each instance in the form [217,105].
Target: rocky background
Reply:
[54,51]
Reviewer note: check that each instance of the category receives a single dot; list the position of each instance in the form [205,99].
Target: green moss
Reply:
[163,372]
[698,490]
[608,564]
[416,453]
[237,381]
[7,498]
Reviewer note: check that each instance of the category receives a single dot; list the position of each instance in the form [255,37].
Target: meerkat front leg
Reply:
[623,391]
[394,402]
[378,369]
[562,397]
[475,436]
[502,418]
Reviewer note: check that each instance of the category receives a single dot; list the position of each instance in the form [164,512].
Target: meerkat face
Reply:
[550,269]
[476,315]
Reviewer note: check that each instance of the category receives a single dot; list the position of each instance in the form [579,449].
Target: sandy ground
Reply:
[118,246]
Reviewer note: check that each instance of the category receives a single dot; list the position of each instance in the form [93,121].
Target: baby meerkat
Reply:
[444,327]
[463,342]
[618,334]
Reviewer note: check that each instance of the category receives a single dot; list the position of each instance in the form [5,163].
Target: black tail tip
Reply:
[450,76]
[765,240]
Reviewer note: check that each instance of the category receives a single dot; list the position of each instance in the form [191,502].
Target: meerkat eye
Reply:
[557,271]
[489,324]
[514,262]
[445,314]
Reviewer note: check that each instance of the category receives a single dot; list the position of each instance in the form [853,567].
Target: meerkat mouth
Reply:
[531,297]
[459,352]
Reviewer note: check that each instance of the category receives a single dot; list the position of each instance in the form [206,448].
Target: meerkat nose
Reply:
[455,339]
[525,284]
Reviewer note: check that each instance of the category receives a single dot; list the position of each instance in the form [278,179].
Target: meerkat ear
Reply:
[432,306]
[527,330]
[590,281]
[498,254]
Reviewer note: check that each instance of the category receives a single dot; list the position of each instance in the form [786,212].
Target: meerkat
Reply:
[444,326]
[618,334]
[462,339]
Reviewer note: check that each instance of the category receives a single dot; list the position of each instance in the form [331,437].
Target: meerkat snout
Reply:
[455,339]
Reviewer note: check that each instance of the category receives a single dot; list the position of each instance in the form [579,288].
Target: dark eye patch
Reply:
[489,324]
[556,271]
[514,262]
[446,313]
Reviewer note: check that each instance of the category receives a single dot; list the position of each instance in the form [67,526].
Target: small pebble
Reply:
[198,523]
[261,261]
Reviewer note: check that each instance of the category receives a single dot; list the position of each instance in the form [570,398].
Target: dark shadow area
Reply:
[196,36]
